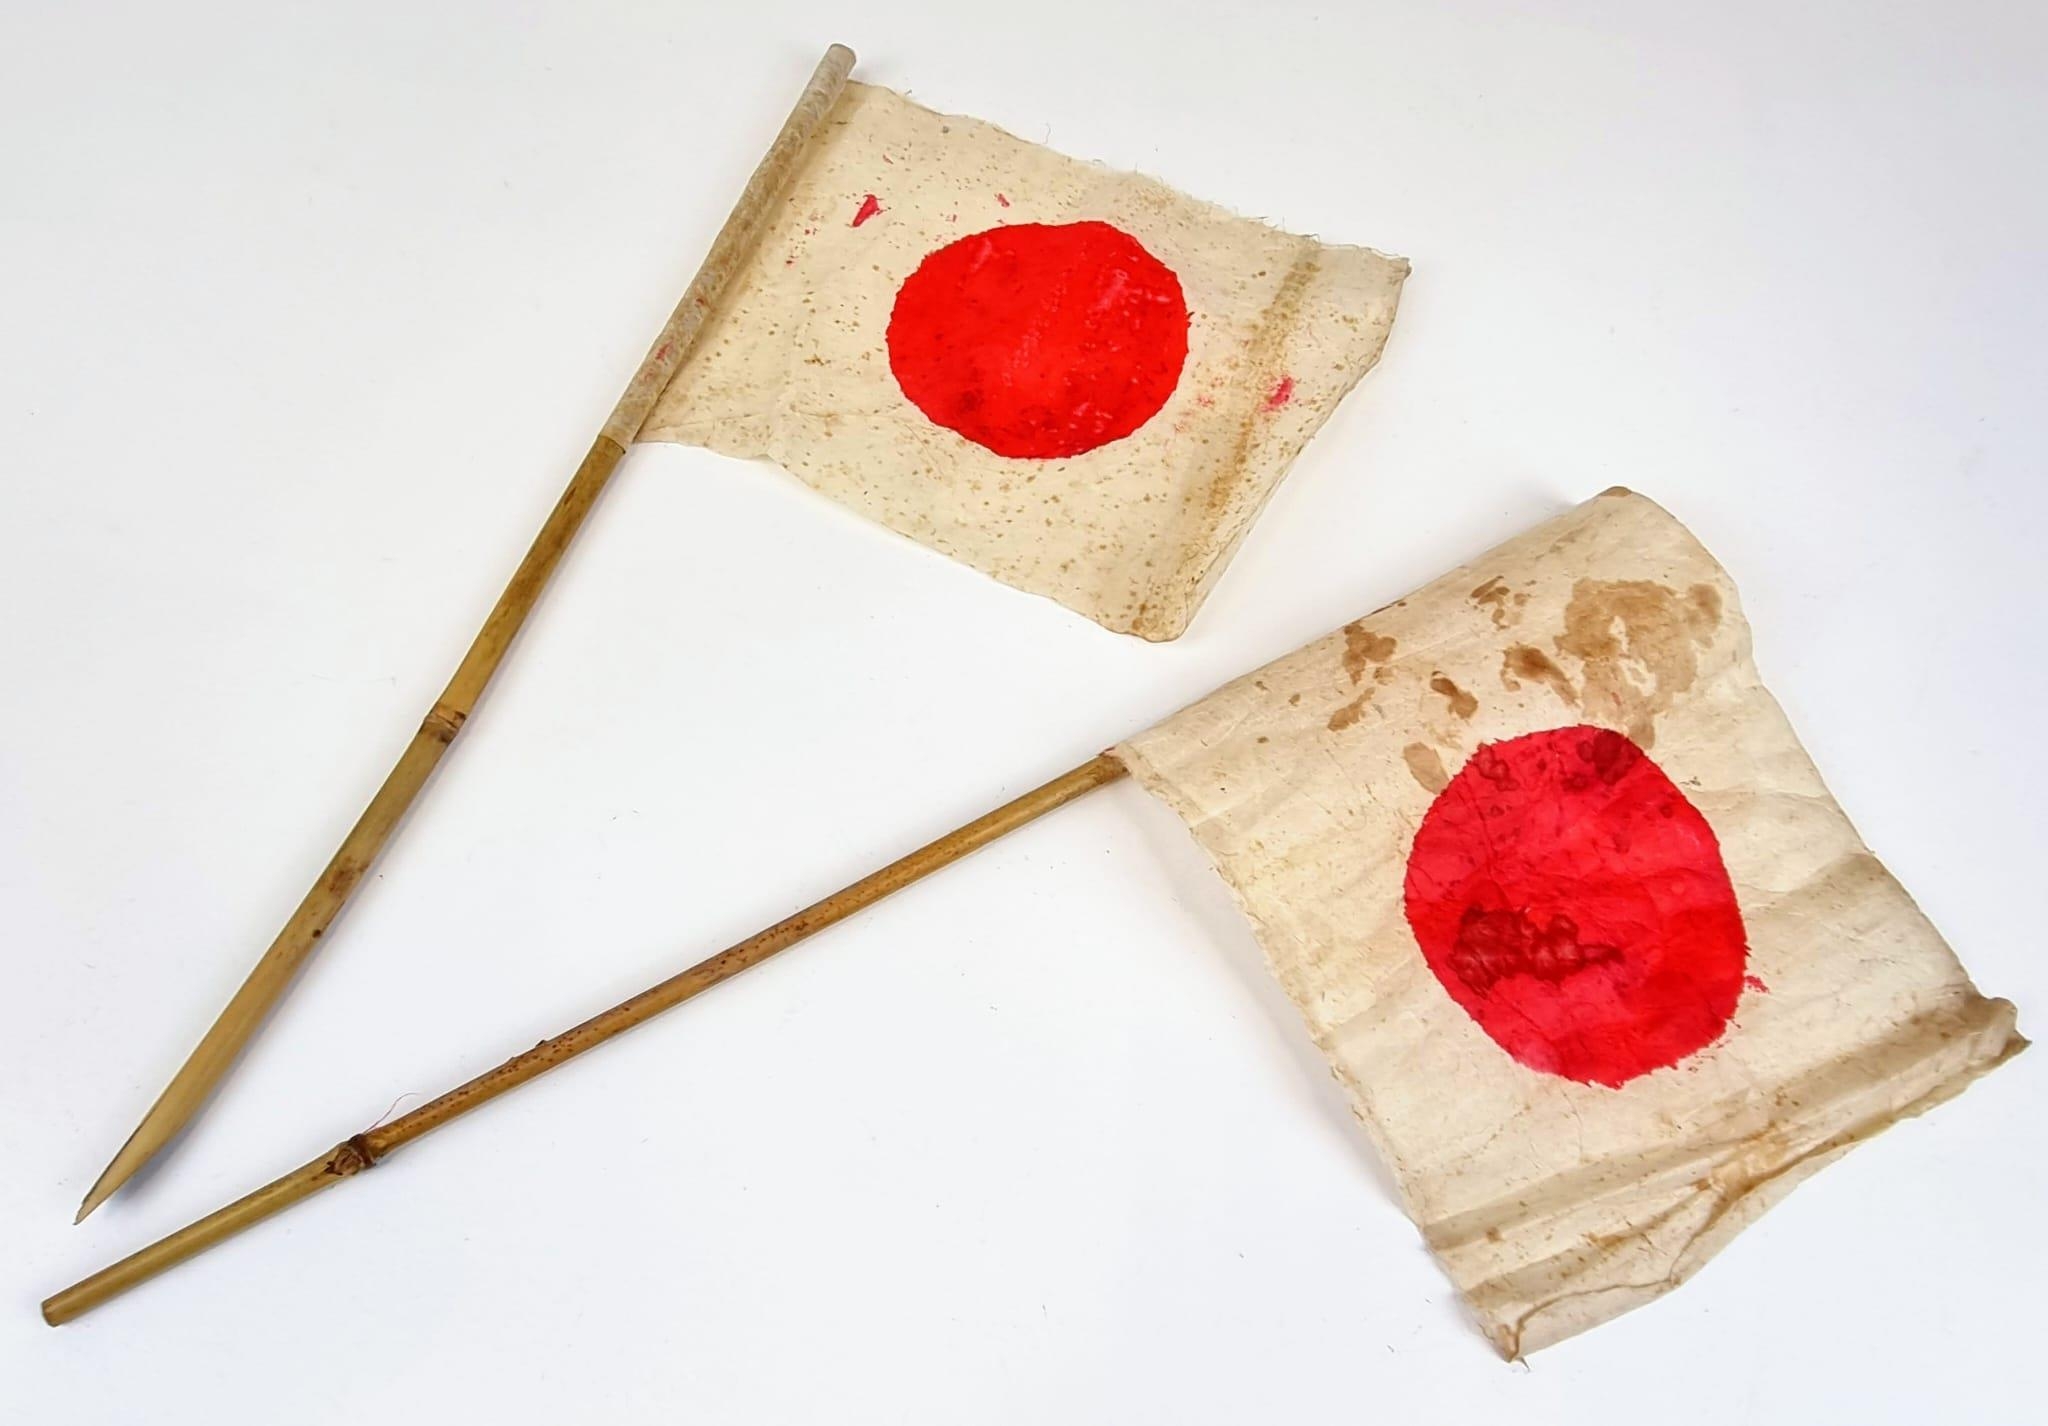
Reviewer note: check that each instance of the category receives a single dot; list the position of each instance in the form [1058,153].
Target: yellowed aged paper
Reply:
[794,365]
[1554,1203]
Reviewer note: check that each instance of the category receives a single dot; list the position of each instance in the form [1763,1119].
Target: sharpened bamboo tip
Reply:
[132,1156]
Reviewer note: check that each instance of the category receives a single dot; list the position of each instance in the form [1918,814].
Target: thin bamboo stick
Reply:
[353,1155]
[194,1082]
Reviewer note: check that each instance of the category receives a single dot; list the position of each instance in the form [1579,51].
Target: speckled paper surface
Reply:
[795,364]
[1324,784]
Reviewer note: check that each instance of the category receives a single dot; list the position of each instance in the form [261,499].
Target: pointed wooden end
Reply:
[141,1145]
[100,1192]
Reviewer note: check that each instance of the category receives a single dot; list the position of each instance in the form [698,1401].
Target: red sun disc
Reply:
[1574,904]
[1040,340]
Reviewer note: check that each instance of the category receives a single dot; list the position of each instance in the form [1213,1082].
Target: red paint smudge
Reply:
[1281,394]
[1002,200]
[1205,399]
[1756,984]
[868,208]
[1040,340]
[1573,902]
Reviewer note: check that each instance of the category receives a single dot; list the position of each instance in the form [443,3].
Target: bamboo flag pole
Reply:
[364,1150]
[195,1080]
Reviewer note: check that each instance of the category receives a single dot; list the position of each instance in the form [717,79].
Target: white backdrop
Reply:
[1036,1140]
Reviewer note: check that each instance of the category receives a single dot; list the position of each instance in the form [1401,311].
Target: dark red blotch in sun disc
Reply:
[1040,340]
[1574,903]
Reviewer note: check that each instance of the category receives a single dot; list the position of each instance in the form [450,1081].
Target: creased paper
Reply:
[1327,787]
[796,365]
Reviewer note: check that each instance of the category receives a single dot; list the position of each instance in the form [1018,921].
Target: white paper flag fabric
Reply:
[1073,379]
[1603,967]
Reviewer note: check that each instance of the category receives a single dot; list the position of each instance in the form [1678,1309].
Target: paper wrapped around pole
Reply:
[1603,967]
[1073,379]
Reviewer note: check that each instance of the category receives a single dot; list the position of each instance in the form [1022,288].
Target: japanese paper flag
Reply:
[1076,380]
[1604,968]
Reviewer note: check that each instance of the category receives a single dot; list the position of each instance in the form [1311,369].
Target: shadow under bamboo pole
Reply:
[195,1080]
[362,1151]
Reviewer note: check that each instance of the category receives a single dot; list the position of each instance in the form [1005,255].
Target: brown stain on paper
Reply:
[1462,703]
[1350,713]
[1427,766]
[1503,606]
[1363,648]
[1639,646]
[1523,664]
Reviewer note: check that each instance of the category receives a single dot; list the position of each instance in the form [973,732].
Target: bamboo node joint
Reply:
[443,722]
[352,1156]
